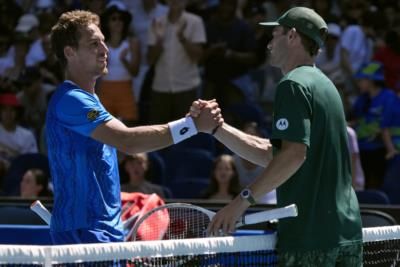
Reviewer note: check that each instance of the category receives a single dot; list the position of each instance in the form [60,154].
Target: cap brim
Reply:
[273,23]
[23,28]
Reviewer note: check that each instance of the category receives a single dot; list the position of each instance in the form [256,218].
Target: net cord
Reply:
[47,255]
[373,234]
[125,250]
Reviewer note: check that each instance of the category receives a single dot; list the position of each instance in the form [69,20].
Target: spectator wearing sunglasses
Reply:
[115,91]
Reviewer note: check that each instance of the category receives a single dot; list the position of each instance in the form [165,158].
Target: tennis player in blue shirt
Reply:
[83,137]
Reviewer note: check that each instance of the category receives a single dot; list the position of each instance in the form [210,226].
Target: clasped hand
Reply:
[206,115]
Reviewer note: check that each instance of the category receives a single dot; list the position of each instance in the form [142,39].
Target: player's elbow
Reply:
[296,151]
[300,155]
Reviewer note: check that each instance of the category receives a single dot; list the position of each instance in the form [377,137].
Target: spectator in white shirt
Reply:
[14,139]
[143,13]
[175,47]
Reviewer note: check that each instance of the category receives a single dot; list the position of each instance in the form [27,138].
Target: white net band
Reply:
[127,250]
[377,244]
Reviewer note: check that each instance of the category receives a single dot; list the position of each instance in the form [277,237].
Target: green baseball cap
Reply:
[305,20]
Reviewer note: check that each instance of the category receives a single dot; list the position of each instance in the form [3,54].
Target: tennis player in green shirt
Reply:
[310,163]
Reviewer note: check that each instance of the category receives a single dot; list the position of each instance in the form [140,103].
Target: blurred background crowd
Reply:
[165,54]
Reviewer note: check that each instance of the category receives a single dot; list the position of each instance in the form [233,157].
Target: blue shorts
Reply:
[81,236]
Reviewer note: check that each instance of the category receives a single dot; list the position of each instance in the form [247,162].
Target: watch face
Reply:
[245,193]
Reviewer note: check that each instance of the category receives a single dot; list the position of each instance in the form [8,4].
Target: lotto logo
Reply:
[184,130]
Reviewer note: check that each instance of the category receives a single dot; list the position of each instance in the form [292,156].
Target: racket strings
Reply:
[172,223]
[186,223]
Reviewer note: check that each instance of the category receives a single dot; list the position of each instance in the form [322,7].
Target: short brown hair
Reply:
[66,32]
[309,44]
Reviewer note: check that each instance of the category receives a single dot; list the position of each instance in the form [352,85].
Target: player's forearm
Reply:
[146,138]
[133,140]
[254,149]
[283,166]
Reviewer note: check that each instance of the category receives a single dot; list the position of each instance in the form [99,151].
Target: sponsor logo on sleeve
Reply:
[282,124]
[93,114]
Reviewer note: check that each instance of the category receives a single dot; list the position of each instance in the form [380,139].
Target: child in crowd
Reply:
[134,168]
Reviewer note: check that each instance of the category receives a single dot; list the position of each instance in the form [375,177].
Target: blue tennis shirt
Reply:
[84,171]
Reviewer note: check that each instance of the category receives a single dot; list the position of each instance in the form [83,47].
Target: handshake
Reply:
[206,115]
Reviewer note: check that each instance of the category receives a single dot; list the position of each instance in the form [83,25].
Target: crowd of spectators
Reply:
[165,54]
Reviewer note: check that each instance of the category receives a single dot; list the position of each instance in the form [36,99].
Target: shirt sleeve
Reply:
[197,33]
[81,112]
[292,114]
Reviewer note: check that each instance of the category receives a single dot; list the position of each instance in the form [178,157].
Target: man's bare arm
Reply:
[133,140]
[289,159]
[252,148]
[283,166]
[151,137]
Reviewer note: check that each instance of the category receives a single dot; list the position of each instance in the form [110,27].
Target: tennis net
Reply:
[381,248]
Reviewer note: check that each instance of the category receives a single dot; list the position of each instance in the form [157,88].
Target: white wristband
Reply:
[182,129]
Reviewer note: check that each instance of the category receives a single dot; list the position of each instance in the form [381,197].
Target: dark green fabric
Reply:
[305,20]
[308,110]
[344,256]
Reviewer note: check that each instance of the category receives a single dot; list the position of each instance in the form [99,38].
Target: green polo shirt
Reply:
[309,110]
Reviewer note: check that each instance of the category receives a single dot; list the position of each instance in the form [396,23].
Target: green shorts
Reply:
[344,256]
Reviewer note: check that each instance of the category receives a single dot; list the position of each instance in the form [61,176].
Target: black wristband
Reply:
[214,130]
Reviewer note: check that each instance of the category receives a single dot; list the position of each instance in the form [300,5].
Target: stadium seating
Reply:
[187,162]
[372,197]
[391,183]
[376,218]
[17,169]
[188,187]
[157,169]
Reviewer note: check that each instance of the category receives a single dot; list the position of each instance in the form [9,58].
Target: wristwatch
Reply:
[247,195]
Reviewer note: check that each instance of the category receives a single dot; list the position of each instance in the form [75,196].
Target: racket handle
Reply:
[274,214]
[41,210]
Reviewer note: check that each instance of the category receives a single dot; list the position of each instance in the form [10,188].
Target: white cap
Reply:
[118,4]
[26,23]
[334,29]
[45,3]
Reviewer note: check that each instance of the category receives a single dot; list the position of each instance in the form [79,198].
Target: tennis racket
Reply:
[45,214]
[41,210]
[182,220]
